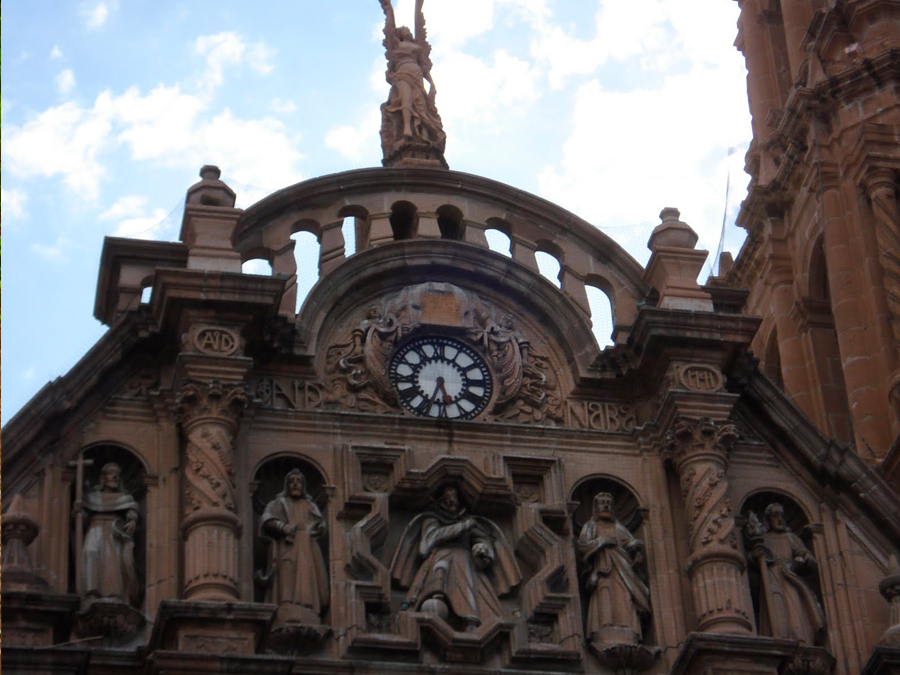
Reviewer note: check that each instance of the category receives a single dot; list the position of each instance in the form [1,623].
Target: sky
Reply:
[612,109]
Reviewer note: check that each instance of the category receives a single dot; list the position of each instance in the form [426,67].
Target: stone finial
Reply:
[18,529]
[675,265]
[672,232]
[210,191]
[890,589]
[208,223]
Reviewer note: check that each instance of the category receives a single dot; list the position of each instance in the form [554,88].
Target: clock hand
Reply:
[447,397]
[438,387]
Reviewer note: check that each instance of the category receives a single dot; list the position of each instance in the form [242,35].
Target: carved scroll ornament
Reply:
[209,413]
[356,364]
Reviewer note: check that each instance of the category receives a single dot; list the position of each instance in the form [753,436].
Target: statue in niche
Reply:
[618,599]
[107,570]
[455,565]
[409,117]
[788,607]
[297,577]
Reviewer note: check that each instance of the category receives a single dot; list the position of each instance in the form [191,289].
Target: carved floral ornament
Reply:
[525,386]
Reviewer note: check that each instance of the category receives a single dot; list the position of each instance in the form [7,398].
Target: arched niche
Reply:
[628,511]
[798,522]
[133,482]
[268,482]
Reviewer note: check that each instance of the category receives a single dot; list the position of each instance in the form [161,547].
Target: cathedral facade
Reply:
[432,467]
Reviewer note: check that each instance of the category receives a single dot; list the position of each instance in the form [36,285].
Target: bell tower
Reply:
[822,256]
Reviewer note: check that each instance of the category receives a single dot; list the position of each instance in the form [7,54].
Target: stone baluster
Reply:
[881,189]
[699,449]
[283,262]
[523,252]
[209,413]
[331,247]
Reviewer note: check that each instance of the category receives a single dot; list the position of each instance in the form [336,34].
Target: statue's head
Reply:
[294,484]
[774,515]
[604,505]
[404,34]
[449,499]
[507,322]
[110,477]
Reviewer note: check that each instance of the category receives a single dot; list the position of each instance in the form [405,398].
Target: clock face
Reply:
[440,377]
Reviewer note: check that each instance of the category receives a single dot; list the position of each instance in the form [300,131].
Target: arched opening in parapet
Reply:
[601,316]
[259,266]
[111,560]
[306,256]
[356,220]
[147,290]
[772,360]
[450,222]
[782,566]
[497,232]
[269,488]
[403,220]
[549,259]
[599,297]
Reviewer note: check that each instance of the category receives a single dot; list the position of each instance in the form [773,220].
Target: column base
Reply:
[237,628]
[704,653]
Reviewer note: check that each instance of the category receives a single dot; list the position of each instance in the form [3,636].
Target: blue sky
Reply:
[613,109]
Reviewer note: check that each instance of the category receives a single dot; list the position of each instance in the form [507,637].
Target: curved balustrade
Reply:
[398,204]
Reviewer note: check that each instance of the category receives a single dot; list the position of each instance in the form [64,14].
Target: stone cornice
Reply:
[830,462]
[65,393]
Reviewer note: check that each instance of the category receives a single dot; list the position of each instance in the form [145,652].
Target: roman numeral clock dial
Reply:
[441,377]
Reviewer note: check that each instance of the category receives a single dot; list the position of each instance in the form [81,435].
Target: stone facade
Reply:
[433,468]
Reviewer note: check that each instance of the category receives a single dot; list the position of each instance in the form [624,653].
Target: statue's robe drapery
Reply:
[435,559]
[795,612]
[618,597]
[107,556]
[299,574]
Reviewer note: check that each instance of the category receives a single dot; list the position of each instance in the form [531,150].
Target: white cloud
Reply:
[221,49]
[359,142]
[95,15]
[474,90]
[143,227]
[55,252]
[230,49]
[65,81]
[283,105]
[645,142]
[13,203]
[56,53]
[129,205]
[62,141]
[166,126]
[134,221]
[260,58]
[28,373]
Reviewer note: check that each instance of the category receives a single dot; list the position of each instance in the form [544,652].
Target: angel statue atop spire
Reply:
[412,133]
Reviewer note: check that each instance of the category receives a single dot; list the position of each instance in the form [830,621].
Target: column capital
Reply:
[691,438]
[210,401]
